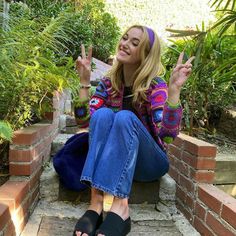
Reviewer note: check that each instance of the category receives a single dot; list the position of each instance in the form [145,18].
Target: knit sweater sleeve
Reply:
[84,109]
[166,118]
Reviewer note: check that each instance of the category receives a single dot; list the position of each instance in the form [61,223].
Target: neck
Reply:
[128,72]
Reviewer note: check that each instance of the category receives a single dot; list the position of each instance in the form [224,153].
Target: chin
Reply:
[120,59]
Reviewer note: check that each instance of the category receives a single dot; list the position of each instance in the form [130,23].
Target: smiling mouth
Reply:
[124,52]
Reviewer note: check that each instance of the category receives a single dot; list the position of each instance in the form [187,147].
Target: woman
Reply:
[133,113]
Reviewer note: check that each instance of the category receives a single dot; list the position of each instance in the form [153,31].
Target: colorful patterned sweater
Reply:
[161,120]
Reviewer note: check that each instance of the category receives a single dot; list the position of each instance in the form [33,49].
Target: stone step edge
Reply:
[49,185]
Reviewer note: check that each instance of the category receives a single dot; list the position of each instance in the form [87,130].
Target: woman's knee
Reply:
[104,115]
[125,118]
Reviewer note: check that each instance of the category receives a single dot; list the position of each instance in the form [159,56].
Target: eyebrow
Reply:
[132,38]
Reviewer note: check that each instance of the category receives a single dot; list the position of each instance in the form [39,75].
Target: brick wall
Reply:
[208,209]
[29,150]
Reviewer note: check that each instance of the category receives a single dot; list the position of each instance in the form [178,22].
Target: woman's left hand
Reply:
[181,72]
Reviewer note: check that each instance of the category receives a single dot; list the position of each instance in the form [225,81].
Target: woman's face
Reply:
[128,47]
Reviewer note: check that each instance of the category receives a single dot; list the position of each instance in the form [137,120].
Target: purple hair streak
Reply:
[151,36]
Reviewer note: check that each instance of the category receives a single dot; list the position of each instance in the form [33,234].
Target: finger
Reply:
[188,66]
[90,52]
[190,60]
[83,51]
[178,67]
[180,59]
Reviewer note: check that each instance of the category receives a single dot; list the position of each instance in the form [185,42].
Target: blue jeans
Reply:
[120,150]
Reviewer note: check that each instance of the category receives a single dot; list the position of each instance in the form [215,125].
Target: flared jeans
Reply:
[121,150]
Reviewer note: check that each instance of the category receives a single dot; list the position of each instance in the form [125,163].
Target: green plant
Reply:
[105,31]
[6,132]
[38,50]
[211,86]
[32,65]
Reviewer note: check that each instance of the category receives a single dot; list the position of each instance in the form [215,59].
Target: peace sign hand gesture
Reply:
[181,72]
[83,65]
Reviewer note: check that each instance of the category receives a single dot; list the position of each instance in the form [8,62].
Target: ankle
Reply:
[120,207]
[96,202]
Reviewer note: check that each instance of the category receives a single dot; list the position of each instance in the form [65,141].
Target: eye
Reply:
[124,37]
[135,43]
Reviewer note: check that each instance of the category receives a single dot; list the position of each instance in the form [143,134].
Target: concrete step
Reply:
[225,169]
[141,192]
[228,188]
[52,190]
[58,218]
[67,124]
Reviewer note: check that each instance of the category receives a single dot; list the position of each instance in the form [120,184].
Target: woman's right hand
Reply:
[83,65]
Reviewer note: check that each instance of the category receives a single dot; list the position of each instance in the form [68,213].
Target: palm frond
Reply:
[183,33]
[218,3]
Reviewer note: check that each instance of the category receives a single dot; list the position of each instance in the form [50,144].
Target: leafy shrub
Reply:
[38,50]
[210,88]
[30,68]
[5,132]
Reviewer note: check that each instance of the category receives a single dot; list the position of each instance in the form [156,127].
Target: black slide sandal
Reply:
[114,225]
[88,223]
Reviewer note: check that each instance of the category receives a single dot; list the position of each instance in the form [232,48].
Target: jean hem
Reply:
[87,180]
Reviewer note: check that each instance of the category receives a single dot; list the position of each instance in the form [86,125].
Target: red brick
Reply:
[229,211]
[12,193]
[172,160]
[34,195]
[4,215]
[211,196]
[30,135]
[183,168]
[186,183]
[20,169]
[177,152]
[190,202]
[202,228]
[15,229]
[47,154]
[180,194]
[10,229]
[35,178]
[185,198]
[198,147]
[188,158]
[204,163]
[174,174]
[185,211]
[178,142]
[27,155]
[203,176]
[200,211]
[23,210]
[217,226]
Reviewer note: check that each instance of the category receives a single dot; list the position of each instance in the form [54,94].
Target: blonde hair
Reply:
[150,67]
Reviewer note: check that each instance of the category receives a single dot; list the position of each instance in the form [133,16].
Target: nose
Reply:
[124,44]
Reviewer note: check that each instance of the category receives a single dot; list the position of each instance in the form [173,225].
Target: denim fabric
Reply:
[120,150]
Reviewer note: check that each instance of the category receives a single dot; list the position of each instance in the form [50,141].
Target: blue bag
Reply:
[69,161]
